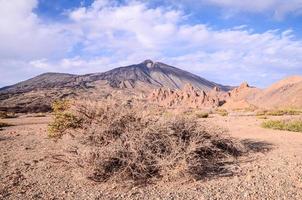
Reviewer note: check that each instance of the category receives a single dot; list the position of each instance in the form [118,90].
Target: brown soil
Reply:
[32,166]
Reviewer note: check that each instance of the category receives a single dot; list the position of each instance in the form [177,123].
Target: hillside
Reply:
[286,93]
[36,94]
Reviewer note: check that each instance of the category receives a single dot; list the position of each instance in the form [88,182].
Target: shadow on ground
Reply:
[231,168]
[253,146]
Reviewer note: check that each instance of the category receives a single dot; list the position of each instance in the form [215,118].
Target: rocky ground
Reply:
[32,166]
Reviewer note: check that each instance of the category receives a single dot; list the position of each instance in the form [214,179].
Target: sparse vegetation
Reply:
[222,112]
[63,119]
[126,143]
[279,112]
[202,115]
[295,125]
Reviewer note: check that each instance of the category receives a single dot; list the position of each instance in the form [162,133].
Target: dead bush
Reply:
[122,142]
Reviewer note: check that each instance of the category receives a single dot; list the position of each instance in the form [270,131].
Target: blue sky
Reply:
[226,41]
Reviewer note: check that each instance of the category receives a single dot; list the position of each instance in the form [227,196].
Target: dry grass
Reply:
[295,125]
[279,112]
[119,142]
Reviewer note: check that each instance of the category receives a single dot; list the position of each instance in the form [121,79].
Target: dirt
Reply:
[32,166]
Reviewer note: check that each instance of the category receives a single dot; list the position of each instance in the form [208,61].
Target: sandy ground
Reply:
[32,166]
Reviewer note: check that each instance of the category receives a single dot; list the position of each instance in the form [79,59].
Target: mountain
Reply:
[286,93]
[157,74]
[36,94]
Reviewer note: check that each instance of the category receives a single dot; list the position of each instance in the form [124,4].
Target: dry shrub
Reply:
[134,142]
[295,125]
[222,112]
[63,119]
[202,115]
[279,112]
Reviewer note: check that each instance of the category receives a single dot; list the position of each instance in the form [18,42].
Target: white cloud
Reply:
[279,8]
[107,35]
[23,35]
[163,34]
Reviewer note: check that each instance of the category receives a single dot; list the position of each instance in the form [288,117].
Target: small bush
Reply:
[63,119]
[135,143]
[202,115]
[222,112]
[279,112]
[295,126]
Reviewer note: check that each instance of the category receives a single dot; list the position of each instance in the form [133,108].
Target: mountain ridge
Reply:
[142,77]
[158,74]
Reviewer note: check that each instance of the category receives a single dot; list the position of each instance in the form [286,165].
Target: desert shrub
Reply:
[60,105]
[202,115]
[222,112]
[127,143]
[63,119]
[295,125]
[279,112]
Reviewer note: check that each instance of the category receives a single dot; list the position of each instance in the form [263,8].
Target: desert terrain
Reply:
[34,166]
[150,100]
[149,131]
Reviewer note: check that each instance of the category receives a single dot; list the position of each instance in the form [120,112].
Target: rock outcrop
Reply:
[188,96]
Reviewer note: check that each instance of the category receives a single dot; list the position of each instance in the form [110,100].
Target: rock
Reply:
[186,97]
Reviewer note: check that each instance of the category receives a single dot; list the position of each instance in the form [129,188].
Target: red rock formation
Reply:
[187,97]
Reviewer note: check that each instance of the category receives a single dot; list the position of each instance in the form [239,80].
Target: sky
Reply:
[225,41]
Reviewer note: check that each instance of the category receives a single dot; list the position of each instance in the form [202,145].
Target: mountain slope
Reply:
[43,89]
[285,93]
[155,74]
[47,80]
[149,72]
